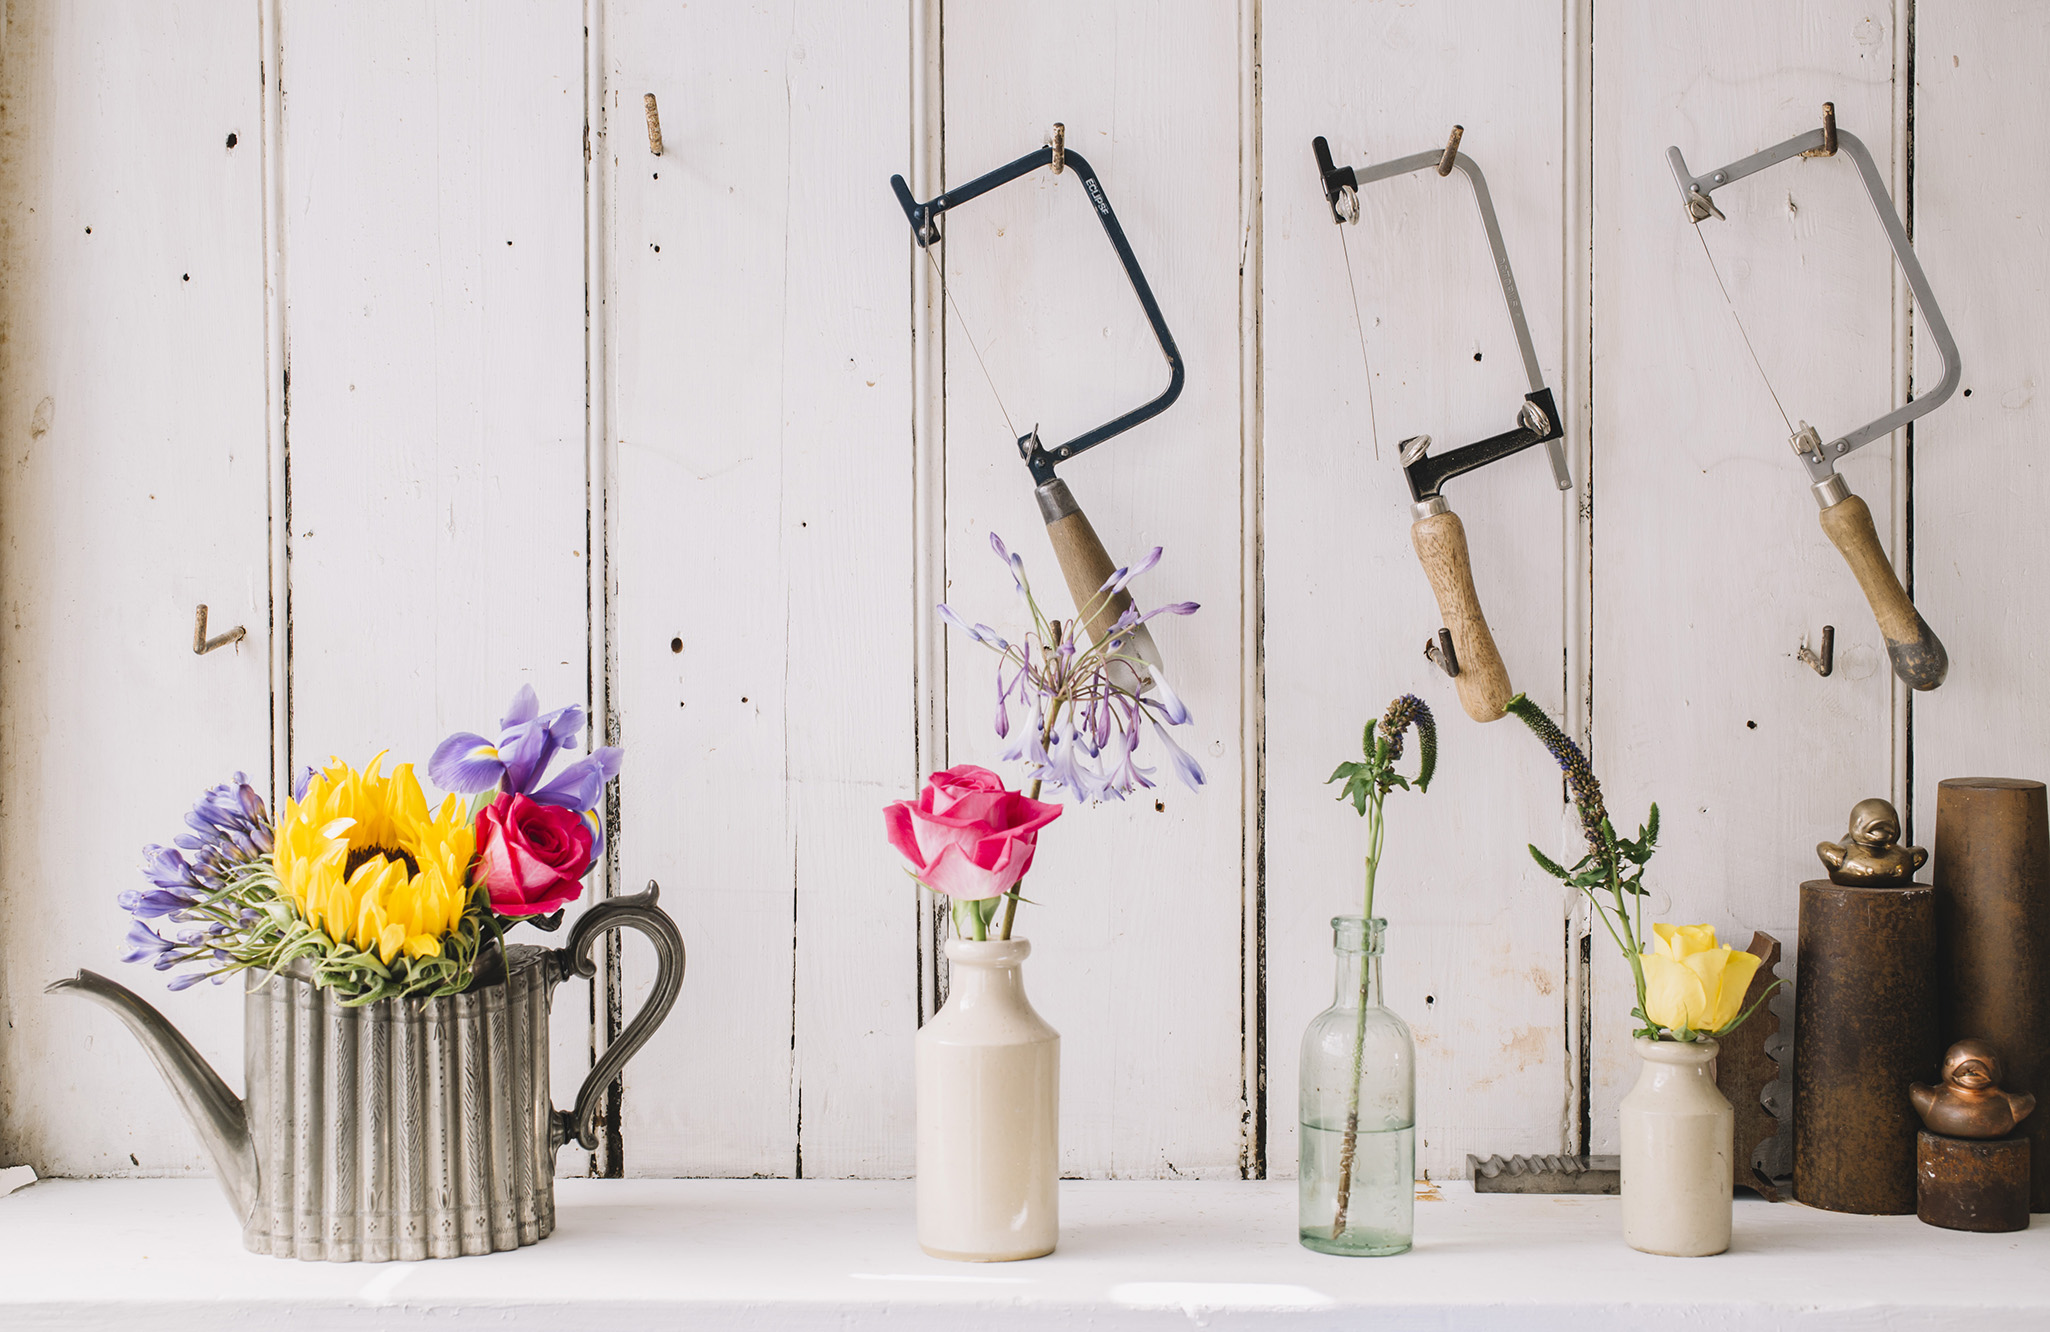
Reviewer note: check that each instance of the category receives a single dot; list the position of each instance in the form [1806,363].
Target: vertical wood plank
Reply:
[132,408]
[760,272]
[1711,569]
[434,288]
[1347,606]
[1981,480]
[1137,924]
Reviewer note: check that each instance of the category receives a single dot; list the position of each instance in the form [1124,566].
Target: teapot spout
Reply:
[216,1113]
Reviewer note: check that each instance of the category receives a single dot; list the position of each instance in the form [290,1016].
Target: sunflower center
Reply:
[361,855]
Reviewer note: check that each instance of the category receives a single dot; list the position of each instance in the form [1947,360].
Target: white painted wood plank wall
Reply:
[762,404]
[728,565]
[132,405]
[1981,484]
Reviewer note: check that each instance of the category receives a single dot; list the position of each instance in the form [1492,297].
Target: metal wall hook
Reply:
[1825,661]
[1439,653]
[654,124]
[1059,143]
[1451,153]
[1828,148]
[201,644]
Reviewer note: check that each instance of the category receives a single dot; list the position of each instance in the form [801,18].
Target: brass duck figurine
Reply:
[1970,1103]
[1870,855]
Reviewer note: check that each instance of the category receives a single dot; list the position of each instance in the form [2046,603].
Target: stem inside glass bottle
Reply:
[1369,968]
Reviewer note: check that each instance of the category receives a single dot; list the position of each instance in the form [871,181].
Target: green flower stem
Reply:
[968,923]
[1348,1153]
[1011,902]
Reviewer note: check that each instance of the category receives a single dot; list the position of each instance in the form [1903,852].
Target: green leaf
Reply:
[1548,865]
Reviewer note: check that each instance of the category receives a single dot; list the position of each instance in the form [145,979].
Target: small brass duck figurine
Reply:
[1970,1103]
[1870,855]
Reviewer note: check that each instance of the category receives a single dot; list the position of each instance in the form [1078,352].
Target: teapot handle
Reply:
[640,912]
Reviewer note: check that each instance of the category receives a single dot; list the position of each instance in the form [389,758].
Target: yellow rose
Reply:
[1692,984]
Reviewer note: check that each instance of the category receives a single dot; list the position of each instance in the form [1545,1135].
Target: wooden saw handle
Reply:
[1482,680]
[1086,566]
[1918,655]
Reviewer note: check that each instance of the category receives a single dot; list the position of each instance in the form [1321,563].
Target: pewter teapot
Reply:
[404,1128]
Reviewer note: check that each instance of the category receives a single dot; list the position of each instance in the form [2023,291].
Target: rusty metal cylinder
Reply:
[1992,876]
[1974,1183]
[1866,1025]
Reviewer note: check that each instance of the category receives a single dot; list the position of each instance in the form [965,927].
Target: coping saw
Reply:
[1085,564]
[1917,655]
[1466,649]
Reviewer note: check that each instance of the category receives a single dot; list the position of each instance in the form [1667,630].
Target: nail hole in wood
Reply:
[231,138]
[1750,725]
[1476,356]
[1160,807]
[676,645]
[1968,392]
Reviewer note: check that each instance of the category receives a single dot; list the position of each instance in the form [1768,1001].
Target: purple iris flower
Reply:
[528,742]
[581,784]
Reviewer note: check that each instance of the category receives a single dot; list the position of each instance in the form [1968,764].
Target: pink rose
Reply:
[531,858]
[967,836]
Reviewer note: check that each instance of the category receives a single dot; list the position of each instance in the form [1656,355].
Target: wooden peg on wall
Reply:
[654,124]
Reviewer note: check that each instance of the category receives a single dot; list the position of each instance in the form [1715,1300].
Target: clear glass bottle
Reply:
[1356,1163]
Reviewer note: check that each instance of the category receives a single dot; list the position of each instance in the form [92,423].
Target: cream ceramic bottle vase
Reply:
[989,1095]
[1677,1133]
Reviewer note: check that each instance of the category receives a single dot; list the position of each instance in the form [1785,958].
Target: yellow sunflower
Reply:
[365,861]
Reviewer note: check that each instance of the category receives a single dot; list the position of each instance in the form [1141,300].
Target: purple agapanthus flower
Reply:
[1085,707]
[528,742]
[228,833]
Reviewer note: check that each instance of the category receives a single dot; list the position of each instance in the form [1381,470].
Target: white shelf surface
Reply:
[779,1254]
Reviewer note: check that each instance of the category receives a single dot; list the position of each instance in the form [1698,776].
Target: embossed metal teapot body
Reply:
[404,1128]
